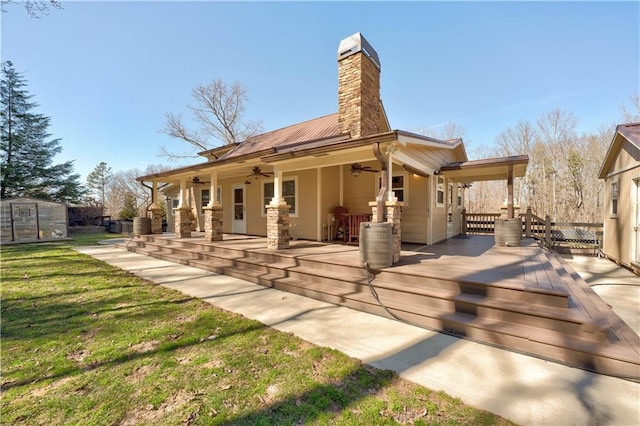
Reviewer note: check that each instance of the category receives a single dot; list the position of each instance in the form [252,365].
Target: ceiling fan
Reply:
[357,168]
[196,181]
[256,173]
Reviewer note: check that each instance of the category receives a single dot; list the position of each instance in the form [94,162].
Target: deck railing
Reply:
[556,235]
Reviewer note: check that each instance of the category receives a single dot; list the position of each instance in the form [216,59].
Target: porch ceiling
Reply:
[489,169]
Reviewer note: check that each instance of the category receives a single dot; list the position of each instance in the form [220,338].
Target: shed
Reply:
[30,219]
[621,174]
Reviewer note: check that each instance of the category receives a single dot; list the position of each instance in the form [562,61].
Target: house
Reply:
[287,183]
[30,219]
[621,174]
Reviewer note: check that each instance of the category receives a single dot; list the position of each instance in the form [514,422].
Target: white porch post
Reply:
[213,190]
[277,199]
[183,193]
[156,210]
[213,212]
[277,216]
[183,213]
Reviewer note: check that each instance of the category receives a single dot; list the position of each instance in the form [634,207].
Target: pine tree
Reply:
[26,152]
[98,179]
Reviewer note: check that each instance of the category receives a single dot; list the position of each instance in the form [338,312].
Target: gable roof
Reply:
[486,169]
[629,132]
[317,129]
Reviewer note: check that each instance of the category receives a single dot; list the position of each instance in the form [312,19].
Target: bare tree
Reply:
[219,109]
[35,8]
[631,113]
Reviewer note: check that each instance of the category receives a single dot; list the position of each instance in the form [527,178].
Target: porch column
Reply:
[182,213]
[277,227]
[510,212]
[277,216]
[155,211]
[393,216]
[213,212]
[213,223]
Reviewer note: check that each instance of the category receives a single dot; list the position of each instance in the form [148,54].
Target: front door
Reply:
[239,223]
[24,219]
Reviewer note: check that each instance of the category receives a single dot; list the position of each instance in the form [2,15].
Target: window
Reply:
[459,196]
[450,195]
[175,202]
[397,186]
[440,191]
[614,198]
[288,194]
[204,199]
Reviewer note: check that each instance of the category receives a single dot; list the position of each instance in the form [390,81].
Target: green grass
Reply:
[87,343]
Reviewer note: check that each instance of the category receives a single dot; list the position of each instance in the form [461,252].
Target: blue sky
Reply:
[107,72]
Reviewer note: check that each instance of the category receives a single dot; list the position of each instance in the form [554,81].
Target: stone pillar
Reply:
[156,220]
[213,223]
[183,222]
[393,214]
[277,227]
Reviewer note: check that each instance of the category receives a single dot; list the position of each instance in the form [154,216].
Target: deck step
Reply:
[547,321]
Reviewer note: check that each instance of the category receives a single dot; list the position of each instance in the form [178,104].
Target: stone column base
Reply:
[156,221]
[393,214]
[183,222]
[278,227]
[213,223]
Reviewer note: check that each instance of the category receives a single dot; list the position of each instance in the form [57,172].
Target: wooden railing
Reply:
[556,235]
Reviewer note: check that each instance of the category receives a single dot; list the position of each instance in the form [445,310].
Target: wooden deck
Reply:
[526,299]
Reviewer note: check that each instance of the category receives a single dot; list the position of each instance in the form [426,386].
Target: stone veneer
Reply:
[156,220]
[183,222]
[358,95]
[213,223]
[277,227]
[393,215]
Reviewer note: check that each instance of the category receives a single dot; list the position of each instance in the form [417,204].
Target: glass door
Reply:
[239,222]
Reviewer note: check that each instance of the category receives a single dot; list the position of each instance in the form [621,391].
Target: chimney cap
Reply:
[357,43]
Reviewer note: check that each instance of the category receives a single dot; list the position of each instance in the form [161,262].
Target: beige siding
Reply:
[304,226]
[330,190]
[414,214]
[361,190]
[619,243]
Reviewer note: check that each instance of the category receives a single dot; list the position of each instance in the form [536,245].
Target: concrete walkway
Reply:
[526,390]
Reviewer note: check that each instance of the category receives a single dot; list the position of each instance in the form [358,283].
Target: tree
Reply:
[219,109]
[129,208]
[631,113]
[97,180]
[26,152]
[36,8]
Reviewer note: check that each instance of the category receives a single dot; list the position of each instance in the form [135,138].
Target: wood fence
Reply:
[573,237]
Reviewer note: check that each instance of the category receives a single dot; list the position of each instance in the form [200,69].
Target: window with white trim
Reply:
[204,199]
[439,191]
[397,186]
[289,194]
[614,198]
[459,196]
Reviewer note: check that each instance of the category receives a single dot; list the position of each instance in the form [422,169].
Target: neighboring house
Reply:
[621,174]
[30,219]
[351,158]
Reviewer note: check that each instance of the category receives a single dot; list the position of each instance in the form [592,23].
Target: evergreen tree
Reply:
[26,152]
[98,179]
[129,208]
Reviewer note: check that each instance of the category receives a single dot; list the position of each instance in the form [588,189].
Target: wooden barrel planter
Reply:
[141,225]
[376,245]
[508,232]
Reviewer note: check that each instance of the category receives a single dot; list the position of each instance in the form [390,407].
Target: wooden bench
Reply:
[576,238]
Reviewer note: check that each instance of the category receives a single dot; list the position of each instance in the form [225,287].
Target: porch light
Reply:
[355,172]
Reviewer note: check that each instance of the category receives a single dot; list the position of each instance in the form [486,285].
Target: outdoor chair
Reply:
[342,222]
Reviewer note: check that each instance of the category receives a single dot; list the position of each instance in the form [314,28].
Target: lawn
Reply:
[86,343]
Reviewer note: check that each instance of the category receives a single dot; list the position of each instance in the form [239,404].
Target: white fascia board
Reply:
[406,139]
[404,158]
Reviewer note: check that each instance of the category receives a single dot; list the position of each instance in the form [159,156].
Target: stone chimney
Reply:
[358,87]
